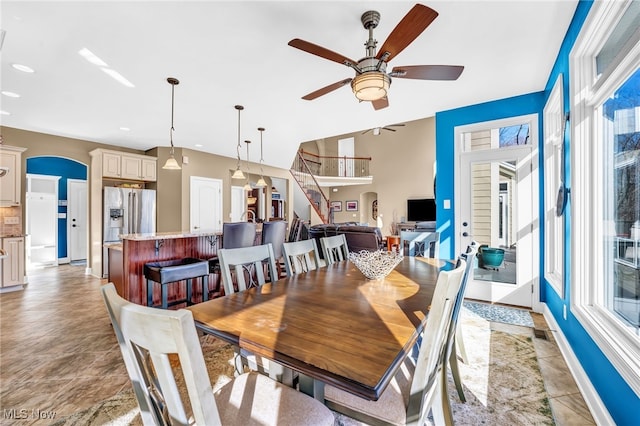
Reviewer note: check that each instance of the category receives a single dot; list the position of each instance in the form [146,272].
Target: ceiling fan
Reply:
[376,130]
[371,82]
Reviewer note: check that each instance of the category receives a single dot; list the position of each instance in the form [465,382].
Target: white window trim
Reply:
[553,114]
[617,342]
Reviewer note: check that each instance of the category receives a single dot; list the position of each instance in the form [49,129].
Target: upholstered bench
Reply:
[171,271]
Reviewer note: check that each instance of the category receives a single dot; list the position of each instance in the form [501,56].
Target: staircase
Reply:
[302,173]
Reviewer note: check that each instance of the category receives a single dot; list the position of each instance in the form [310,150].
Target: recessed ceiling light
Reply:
[198,145]
[4,112]
[125,129]
[22,68]
[10,94]
[91,57]
[118,77]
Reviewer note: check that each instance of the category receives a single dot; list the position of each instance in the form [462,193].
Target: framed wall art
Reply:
[336,206]
[352,206]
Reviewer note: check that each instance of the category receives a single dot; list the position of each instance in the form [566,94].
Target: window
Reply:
[553,177]
[605,87]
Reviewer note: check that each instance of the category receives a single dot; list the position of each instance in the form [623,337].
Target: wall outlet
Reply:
[12,220]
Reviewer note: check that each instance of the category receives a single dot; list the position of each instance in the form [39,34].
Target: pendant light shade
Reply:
[261,182]
[238,173]
[171,163]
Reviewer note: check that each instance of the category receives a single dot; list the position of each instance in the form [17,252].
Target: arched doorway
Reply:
[72,204]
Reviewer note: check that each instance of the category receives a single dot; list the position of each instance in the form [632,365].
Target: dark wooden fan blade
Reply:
[314,49]
[410,27]
[326,89]
[428,72]
[389,129]
[380,103]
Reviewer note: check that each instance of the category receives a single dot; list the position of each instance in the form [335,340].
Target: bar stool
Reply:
[171,271]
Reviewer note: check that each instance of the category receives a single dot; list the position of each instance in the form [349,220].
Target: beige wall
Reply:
[401,165]
[172,185]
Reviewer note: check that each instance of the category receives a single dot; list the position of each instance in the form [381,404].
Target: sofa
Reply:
[359,237]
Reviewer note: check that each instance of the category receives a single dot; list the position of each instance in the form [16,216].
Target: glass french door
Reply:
[497,208]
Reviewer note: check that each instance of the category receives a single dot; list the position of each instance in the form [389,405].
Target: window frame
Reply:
[587,302]
[554,129]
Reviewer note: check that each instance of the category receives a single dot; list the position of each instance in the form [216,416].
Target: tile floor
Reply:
[58,353]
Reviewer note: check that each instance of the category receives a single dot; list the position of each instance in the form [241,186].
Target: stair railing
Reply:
[303,173]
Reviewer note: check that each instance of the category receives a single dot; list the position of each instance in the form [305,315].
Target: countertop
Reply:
[167,235]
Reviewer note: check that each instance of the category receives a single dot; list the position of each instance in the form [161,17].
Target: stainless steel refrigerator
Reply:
[126,211]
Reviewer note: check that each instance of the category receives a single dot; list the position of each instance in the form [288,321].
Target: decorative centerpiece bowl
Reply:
[375,264]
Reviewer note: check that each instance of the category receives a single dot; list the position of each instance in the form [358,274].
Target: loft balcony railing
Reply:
[331,166]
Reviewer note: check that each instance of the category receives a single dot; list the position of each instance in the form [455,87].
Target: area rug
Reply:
[497,313]
[502,382]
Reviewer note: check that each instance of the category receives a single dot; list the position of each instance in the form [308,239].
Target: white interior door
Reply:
[77,232]
[497,206]
[42,220]
[205,205]
[238,203]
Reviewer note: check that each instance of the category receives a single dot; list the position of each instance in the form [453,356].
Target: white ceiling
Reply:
[228,53]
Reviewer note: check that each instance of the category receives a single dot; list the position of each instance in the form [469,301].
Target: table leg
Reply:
[311,387]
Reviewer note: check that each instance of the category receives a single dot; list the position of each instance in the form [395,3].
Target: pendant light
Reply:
[247,186]
[171,163]
[238,173]
[261,182]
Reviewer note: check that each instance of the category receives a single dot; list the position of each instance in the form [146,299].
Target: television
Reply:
[421,210]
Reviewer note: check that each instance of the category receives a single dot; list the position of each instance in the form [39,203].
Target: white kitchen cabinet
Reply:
[126,166]
[149,169]
[13,264]
[111,165]
[10,175]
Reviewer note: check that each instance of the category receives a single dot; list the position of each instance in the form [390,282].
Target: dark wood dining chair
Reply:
[151,336]
[419,387]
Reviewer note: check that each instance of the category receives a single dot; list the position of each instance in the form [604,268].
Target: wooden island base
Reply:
[126,263]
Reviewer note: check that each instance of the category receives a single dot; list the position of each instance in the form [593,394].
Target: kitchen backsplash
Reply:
[8,215]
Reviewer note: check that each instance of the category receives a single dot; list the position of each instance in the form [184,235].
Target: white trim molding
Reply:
[589,277]
[591,397]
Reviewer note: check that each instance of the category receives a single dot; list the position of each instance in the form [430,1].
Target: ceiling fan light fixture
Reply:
[370,86]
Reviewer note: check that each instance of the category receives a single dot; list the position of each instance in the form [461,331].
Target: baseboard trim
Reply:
[592,399]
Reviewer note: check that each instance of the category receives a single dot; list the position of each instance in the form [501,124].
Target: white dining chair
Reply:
[334,248]
[151,335]
[456,340]
[247,265]
[421,387]
[114,304]
[420,243]
[301,256]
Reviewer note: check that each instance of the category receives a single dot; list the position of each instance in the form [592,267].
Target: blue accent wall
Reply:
[67,169]
[446,122]
[619,399]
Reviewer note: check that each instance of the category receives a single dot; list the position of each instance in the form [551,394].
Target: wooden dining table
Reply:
[332,324]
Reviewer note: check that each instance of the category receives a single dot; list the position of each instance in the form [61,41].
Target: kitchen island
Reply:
[126,262]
